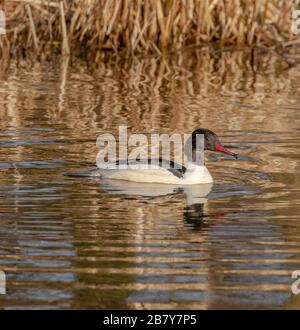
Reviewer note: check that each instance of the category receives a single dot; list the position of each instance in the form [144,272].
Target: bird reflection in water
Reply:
[195,196]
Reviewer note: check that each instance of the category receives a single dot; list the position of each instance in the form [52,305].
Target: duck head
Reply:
[211,142]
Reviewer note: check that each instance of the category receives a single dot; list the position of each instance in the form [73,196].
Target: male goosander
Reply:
[158,172]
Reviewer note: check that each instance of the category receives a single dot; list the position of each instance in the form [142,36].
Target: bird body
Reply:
[165,171]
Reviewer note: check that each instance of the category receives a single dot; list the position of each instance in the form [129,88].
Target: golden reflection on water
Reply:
[78,242]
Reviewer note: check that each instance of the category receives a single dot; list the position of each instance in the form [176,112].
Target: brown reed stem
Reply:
[65,44]
[32,27]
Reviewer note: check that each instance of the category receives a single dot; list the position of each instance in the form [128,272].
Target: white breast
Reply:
[197,174]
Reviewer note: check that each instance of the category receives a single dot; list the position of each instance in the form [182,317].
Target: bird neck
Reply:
[193,157]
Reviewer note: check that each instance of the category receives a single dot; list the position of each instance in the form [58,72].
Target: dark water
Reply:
[79,242]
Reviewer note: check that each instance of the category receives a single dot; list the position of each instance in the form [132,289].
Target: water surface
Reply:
[79,242]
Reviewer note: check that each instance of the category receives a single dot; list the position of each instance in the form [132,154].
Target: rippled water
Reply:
[79,242]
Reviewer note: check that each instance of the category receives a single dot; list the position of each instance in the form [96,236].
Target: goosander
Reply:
[176,174]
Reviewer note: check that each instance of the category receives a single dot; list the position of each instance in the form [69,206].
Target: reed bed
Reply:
[143,26]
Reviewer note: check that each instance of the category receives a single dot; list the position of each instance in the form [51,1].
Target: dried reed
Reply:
[149,26]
